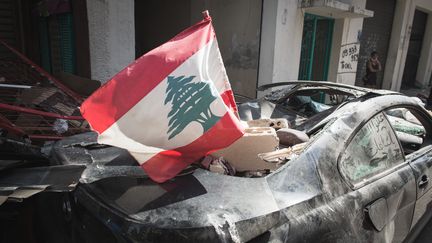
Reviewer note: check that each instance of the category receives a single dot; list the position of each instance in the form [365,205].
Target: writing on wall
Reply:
[349,58]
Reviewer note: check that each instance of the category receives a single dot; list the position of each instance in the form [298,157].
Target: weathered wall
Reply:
[111,36]
[237,25]
[346,38]
[282,30]
[424,71]
[424,5]
[399,42]
[281,42]
[9,23]
[155,23]
[268,38]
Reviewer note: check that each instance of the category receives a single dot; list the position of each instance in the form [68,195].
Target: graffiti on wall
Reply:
[349,58]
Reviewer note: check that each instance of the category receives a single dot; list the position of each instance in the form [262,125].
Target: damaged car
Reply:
[319,162]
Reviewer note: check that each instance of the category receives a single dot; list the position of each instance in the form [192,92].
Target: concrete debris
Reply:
[290,137]
[60,126]
[283,155]
[275,123]
[218,165]
[243,154]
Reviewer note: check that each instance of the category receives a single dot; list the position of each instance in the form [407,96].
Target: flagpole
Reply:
[205,14]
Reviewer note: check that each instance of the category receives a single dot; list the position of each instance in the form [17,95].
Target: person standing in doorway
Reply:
[373,66]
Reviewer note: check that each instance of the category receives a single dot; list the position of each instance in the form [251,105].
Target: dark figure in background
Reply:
[429,100]
[373,66]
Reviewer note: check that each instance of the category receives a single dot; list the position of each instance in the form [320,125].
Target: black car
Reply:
[362,177]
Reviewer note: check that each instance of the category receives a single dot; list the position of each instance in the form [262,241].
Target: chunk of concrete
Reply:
[290,137]
[243,154]
[275,123]
[283,155]
[217,165]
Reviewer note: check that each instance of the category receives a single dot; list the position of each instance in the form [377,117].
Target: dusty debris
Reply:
[60,126]
[33,102]
[243,154]
[275,123]
[305,201]
[290,137]
[218,165]
[21,183]
[283,155]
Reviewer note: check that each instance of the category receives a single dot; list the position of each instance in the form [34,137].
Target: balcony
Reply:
[335,9]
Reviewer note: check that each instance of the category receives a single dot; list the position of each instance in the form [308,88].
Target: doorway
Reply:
[414,49]
[316,47]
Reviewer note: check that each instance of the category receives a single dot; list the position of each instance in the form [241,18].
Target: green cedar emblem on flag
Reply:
[190,102]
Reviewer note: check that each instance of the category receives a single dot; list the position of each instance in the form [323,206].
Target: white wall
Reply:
[425,5]
[347,31]
[424,69]
[267,45]
[111,36]
[399,42]
[282,29]
[281,40]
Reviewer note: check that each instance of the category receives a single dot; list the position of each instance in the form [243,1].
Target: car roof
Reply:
[363,108]
[303,84]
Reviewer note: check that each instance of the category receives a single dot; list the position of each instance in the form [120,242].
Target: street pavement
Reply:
[426,234]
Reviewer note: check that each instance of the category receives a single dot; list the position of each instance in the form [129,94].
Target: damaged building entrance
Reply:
[414,49]
[316,47]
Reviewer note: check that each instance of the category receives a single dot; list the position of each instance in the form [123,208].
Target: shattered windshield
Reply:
[309,101]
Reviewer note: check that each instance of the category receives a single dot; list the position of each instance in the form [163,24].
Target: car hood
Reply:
[228,205]
[214,206]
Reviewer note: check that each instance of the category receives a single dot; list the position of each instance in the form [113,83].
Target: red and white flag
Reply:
[170,107]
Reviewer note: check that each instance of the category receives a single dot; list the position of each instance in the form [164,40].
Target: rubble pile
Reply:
[266,145]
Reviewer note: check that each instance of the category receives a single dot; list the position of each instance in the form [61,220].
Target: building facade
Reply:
[409,58]
[261,41]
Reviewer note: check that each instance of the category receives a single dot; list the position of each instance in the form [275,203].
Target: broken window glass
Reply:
[373,149]
[409,130]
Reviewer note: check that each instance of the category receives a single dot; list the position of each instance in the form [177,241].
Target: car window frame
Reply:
[424,115]
[373,178]
[316,133]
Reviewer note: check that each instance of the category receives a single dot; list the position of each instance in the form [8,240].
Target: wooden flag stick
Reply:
[206,14]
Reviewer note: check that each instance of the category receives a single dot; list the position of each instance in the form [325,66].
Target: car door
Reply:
[382,182]
[414,129]
[421,162]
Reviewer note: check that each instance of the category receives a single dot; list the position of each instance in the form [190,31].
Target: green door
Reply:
[57,43]
[316,47]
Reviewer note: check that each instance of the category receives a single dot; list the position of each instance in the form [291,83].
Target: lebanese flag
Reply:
[170,107]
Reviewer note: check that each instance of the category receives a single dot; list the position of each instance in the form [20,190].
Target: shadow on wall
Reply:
[244,55]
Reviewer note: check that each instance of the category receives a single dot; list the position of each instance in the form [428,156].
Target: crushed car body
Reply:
[353,168]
